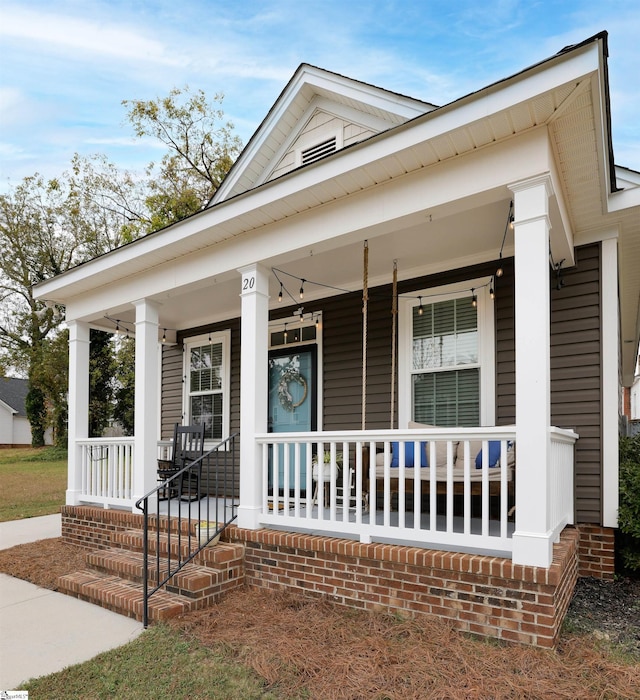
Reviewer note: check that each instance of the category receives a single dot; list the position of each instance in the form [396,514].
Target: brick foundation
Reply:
[596,551]
[484,595]
[92,528]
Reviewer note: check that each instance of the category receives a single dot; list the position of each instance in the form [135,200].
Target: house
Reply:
[445,299]
[631,403]
[15,430]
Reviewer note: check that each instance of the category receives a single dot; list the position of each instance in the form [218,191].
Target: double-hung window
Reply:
[207,382]
[446,368]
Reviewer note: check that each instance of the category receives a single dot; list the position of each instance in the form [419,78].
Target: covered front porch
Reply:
[467,503]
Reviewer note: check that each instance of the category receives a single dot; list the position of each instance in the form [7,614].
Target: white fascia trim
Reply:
[9,408]
[597,235]
[610,382]
[625,199]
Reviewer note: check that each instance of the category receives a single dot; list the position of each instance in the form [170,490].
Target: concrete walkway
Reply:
[42,631]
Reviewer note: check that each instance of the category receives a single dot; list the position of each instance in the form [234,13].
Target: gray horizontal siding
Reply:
[171,392]
[575,362]
[576,378]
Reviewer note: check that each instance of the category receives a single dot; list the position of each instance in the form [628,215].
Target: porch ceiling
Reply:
[461,238]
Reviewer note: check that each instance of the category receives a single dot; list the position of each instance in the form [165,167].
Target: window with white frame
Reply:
[446,368]
[207,383]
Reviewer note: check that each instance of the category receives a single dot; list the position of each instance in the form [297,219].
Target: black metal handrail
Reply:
[192,483]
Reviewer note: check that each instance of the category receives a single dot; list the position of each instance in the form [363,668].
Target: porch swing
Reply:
[438,451]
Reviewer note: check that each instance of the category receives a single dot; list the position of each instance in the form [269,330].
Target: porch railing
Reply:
[106,471]
[376,486]
[208,499]
[560,484]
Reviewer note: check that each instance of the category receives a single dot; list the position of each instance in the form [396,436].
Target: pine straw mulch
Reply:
[309,648]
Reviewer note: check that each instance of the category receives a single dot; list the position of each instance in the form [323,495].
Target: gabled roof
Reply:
[13,393]
[310,90]
[563,99]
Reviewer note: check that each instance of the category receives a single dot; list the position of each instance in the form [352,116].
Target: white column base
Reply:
[249,517]
[72,497]
[532,549]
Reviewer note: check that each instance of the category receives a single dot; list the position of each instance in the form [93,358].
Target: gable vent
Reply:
[320,150]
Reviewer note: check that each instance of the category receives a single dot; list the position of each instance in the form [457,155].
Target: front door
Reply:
[292,402]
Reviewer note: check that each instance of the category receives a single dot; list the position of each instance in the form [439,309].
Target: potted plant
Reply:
[326,469]
[206,529]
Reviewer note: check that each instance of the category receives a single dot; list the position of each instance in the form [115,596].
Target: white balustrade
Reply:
[106,466]
[560,485]
[377,486]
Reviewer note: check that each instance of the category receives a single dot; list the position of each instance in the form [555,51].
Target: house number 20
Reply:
[248,283]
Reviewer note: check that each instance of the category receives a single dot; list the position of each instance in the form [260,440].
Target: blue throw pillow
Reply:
[408,454]
[494,454]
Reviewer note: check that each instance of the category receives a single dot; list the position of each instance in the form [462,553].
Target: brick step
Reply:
[123,597]
[192,580]
[217,556]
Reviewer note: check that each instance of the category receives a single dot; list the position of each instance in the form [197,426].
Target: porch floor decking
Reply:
[207,508]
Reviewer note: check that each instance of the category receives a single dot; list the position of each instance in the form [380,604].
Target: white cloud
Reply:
[15,106]
[74,34]
[125,141]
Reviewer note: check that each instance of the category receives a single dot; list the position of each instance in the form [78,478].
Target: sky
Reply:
[67,65]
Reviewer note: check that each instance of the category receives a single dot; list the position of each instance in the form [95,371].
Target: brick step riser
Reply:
[211,556]
[193,581]
[114,595]
[185,524]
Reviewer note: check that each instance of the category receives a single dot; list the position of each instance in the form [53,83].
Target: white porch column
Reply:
[147,390]
[253,389]
[532,539]
[610,324]
[78,427]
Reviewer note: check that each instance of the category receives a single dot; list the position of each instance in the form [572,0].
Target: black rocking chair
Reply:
[187,447]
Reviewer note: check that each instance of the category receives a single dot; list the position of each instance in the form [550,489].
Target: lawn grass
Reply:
[32,482]
[181,668]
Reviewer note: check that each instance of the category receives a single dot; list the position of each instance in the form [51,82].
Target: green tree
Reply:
[629,510]
[40,236]
[46,227]
[123,411]
[53,376]
[101,381]
[201,150]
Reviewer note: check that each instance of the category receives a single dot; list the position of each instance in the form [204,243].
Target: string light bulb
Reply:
[420,307]
[280,294]
[117,327]
[164,335]
[474,299]
[302,288]
[285,332]
[492,291]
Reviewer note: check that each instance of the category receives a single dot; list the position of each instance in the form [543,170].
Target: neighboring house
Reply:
[516,242]
[631,403]
[15,430]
